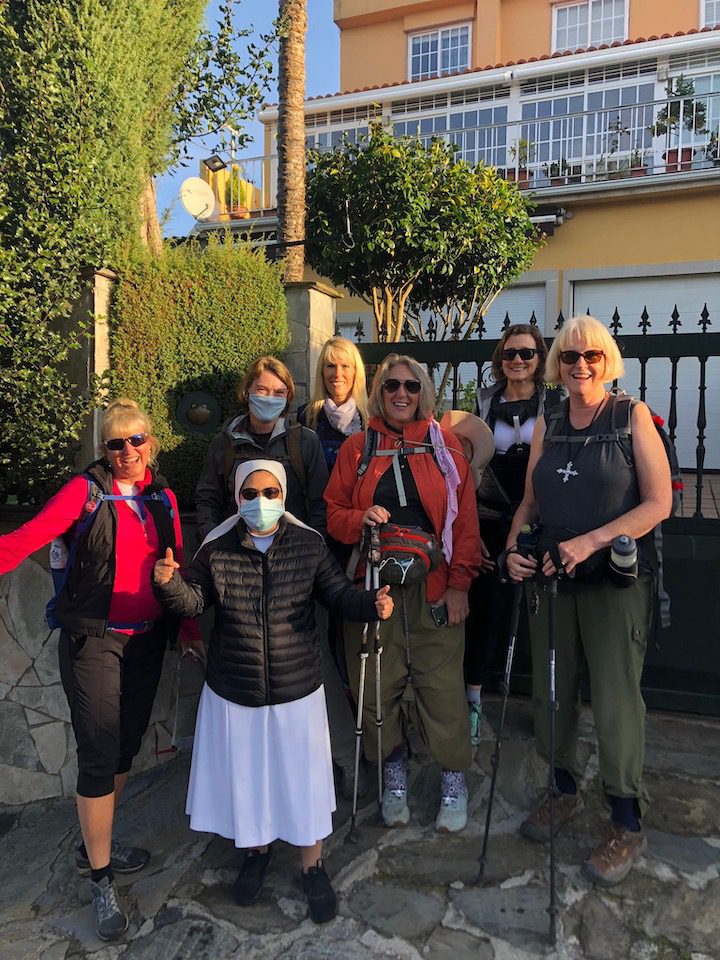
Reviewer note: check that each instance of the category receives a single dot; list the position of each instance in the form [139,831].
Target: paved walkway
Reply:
[404,893]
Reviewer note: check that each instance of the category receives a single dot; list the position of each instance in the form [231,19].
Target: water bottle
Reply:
[623,561]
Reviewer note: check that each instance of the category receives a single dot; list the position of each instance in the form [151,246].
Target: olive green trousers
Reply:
[601,631]
[422,681]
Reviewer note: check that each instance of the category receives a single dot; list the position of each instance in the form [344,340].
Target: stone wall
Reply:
[37,746]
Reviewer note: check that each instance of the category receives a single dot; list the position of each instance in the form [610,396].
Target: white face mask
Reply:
[265,408]
[261,514]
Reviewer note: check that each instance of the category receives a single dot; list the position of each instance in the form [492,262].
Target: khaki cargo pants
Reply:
[427,694]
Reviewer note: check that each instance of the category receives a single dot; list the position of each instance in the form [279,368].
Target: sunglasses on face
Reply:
[411,386]
[572,356]
[270,493]
[118,443]
[525,353]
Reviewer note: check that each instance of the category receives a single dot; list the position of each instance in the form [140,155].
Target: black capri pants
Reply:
[110,683]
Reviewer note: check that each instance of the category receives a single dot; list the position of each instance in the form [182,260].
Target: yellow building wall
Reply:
[373,37]
[680,228]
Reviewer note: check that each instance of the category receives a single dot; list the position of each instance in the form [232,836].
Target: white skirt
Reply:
[260,774]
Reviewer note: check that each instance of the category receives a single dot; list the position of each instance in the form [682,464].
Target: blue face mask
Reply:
[261,514]
[265,408]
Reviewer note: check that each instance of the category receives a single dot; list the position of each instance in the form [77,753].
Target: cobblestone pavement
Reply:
[406,893]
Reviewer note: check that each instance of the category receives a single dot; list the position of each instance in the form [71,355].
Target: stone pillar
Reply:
[311,321]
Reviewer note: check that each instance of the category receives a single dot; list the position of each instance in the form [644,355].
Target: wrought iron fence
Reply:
[688,359]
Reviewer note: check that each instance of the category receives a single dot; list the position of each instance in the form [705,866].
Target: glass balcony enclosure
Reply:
[561,131]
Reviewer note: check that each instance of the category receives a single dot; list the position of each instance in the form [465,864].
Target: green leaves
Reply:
[422,224]
[193,320]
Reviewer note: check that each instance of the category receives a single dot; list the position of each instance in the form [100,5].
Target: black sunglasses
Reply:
[118,443]
[572,356]
[270,493]
[525,353]
[411,386]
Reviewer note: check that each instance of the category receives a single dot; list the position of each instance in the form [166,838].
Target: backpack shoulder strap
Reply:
[294,449]
[228,457]
[369,448]
[553,420]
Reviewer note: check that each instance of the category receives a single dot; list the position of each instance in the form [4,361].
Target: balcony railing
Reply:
[650,139]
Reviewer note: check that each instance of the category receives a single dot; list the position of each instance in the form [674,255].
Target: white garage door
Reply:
[660,295]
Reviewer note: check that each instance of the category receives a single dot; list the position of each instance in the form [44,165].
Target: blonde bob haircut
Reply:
[585,332]
[116,420]
[256,369]
[426,404]
[338,350]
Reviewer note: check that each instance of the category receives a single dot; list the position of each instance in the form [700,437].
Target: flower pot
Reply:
[638,171]
[240,213]
[521,177]
[671,157]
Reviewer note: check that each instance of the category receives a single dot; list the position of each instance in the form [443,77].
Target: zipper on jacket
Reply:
[266,645]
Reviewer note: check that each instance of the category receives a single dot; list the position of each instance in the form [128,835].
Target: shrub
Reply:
[192,320]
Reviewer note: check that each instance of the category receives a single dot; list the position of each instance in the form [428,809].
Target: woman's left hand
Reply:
[572,552]
[384,603]
[457,605]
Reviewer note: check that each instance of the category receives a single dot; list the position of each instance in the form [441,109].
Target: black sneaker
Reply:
[110,921]
[123,859]
[249,881]
[320,894]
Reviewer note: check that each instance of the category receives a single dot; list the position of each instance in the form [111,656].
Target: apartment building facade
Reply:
[607,111]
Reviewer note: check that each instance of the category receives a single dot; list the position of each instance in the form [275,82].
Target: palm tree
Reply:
[291,135]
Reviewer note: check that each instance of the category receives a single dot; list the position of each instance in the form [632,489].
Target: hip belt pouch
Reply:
[407,554]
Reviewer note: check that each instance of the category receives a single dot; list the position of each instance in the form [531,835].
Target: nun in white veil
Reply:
[261,767]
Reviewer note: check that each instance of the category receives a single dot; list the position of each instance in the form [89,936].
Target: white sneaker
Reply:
[395,811]
[452,816]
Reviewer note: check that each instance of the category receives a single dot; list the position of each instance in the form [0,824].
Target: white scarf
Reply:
[244,469]
[345,417]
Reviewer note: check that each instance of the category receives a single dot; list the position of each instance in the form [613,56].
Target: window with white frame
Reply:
[439,52]
[593,22]
[710,13]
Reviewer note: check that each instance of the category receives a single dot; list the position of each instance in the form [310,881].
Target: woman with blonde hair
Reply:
[338,408]
[113,629]
[407,470]
[597,472]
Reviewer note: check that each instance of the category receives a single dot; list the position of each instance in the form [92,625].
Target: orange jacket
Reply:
[349,496]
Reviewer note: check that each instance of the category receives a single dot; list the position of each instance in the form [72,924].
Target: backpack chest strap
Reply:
[397,472]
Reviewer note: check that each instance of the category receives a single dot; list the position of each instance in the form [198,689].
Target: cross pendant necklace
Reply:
[567,471]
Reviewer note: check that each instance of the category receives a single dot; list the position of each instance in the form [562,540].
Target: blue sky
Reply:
[322,59]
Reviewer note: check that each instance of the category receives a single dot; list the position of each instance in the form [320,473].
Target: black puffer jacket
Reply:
[264,646]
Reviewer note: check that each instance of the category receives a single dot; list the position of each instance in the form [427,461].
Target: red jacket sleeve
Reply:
[56,517]
[344,512]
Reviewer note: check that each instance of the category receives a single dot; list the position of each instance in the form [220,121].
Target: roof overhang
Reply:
[566,63]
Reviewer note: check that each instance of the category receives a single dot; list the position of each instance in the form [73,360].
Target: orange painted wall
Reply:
[373,38]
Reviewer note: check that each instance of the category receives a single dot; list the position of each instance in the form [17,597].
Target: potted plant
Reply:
[712,149]
[681,110]
[638,163]
[557,171]
[522,152]
[237,196]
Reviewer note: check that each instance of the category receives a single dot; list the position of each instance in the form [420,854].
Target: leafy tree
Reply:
[96,97]
[412,229]
[291,135]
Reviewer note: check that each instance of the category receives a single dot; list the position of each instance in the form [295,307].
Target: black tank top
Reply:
[585,478]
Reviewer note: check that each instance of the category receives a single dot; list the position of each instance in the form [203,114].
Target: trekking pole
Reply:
[495,759]
[551,589]
[374,563]
[353,836]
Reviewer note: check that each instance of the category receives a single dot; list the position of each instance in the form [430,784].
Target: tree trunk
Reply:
[291,137]
[150,233]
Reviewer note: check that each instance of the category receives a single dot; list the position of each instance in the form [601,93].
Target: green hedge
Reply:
[192,320]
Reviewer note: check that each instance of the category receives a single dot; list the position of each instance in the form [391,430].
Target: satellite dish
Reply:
[198,198]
